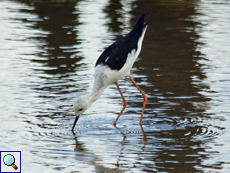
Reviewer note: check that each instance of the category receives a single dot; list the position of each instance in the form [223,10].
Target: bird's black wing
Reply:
[116,54]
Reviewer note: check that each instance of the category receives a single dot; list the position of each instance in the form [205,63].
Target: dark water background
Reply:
[48,50]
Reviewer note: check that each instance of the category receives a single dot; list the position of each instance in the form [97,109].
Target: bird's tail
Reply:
[146,23]
[139,29]
[140,24]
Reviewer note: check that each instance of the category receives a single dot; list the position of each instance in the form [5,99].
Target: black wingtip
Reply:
[142,16]
[140,21]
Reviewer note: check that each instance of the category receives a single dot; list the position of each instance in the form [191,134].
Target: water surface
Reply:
[48,51]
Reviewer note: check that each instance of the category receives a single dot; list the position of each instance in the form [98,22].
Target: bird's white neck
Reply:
[97,90]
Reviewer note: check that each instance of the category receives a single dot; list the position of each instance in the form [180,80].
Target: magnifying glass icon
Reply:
[9,160]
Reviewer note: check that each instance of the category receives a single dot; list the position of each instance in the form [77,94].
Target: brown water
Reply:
[48,51]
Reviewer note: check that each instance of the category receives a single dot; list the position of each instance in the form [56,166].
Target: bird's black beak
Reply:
[75,121]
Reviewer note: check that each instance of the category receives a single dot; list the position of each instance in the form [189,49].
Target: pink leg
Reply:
[124,105]
[143,133]
[145,97]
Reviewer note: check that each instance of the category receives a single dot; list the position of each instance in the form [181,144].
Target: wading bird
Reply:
[114,63]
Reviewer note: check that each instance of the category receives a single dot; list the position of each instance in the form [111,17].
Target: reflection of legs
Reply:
[124,105]
[145,97]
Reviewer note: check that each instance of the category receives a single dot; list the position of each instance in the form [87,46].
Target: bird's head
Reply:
[80,106]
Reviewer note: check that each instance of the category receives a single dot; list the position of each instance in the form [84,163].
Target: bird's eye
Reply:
[80,109]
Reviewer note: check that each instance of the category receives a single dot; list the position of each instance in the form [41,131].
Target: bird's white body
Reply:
[105,76]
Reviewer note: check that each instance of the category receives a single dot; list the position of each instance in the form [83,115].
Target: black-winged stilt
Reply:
[113,64]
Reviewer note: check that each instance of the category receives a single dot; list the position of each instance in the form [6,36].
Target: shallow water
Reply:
[48,51]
